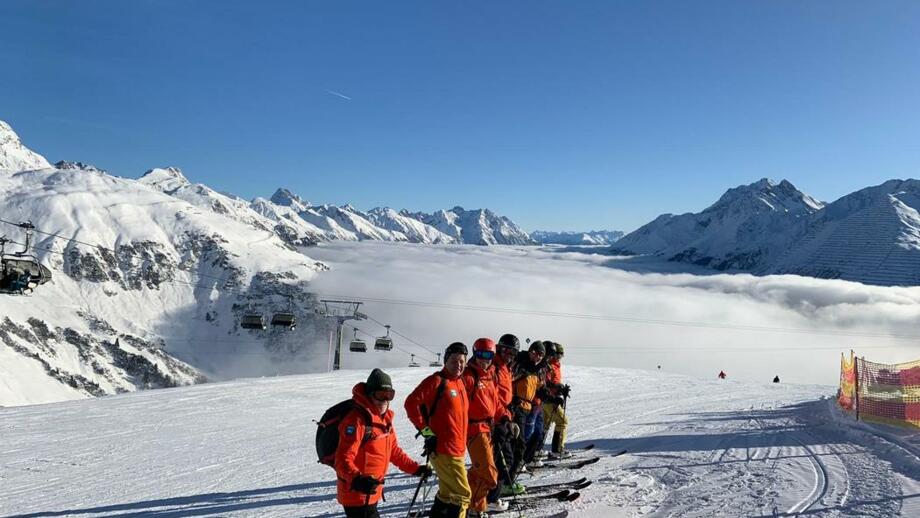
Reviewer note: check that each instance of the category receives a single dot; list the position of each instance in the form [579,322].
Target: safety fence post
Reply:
[856,382]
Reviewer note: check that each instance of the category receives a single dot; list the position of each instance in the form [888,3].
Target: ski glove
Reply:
[431,441]
[365,484]
[423,471]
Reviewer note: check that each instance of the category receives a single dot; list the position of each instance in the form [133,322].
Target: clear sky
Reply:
[560,115]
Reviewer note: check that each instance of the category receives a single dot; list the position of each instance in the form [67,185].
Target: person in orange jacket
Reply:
[485,411]
[439,409]
[367,446]
[505,433]
[554,411]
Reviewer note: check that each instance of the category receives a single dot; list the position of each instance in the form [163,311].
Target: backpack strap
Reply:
[428,414]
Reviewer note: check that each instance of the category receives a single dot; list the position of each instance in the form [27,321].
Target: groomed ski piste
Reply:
[245,448]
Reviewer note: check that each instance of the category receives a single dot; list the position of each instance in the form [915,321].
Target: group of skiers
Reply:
[496,405]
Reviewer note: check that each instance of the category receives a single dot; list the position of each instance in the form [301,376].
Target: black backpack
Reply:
[327,431]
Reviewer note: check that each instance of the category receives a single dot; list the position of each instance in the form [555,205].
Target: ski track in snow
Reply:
[245,448]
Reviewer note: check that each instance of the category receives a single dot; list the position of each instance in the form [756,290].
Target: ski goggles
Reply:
[384,394]
[484,355]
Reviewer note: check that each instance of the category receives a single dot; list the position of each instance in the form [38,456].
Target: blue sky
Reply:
[561,115]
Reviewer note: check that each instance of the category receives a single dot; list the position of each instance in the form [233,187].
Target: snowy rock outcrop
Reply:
[150,279]
[475,227]
[591,237]
[16,157]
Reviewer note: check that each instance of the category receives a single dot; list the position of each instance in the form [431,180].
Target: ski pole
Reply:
[417,489]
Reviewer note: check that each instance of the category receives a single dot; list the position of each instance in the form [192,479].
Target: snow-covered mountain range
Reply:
[152,275]
[150,279]
[591,237]
[869,236]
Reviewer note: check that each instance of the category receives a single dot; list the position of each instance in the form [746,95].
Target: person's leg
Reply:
[483,476]
[454,492]
[362,511]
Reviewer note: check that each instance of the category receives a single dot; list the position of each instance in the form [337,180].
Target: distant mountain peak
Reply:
[167,180]
[66,165]
[286,198]
[14,156]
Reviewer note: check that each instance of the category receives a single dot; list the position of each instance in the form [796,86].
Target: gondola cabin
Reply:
[253,321]
[284,320]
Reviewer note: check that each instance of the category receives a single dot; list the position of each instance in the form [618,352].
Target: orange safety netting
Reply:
[887,393]
[846,395]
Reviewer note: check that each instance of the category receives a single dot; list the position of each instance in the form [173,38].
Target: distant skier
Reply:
[721,375]
[367,446]
[776,379]
[485,411]
[439,409]
[554,403]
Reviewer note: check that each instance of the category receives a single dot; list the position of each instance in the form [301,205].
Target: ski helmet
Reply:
[484,344]
[550,348]
[509,340]
[456,348]
[560,350]
[537,346]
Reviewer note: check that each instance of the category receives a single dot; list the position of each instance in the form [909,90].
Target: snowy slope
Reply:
[147,289]
[591,237]
[746,228]
[871,236]
[696,448]
[414,230]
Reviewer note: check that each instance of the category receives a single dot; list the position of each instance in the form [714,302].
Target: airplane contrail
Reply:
[343,96]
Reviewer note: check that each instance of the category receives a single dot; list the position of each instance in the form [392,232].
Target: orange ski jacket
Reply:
[485,406]
[451,411]
[363,453]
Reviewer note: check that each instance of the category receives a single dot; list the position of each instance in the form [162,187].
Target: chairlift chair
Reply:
[384,343]
[284,320]
[412,362]
[436,363]
[21,272]
[252,321]
[357,345]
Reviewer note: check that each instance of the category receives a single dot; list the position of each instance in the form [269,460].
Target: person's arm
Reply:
[402,460]
[422,395]
[351,434]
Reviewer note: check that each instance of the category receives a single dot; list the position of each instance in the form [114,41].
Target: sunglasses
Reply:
[384,394]
[484,355]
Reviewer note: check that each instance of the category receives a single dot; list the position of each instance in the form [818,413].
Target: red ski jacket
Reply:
[367,454]
[449,422]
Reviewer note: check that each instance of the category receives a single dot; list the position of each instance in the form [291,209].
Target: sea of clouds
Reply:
[607,313]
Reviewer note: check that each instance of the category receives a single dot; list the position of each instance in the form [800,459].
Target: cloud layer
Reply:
[752,327]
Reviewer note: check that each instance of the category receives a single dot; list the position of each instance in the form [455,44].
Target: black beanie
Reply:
[455,348]
[537,346]
[378,380]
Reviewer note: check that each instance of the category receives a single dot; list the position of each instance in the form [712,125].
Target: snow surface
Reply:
[245,448]
[16,157]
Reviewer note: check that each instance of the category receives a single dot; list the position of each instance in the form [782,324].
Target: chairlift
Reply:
[253,321]
[357,345]
[412,362]
[384,343]
[21,272]
[284,319]
[436,363]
